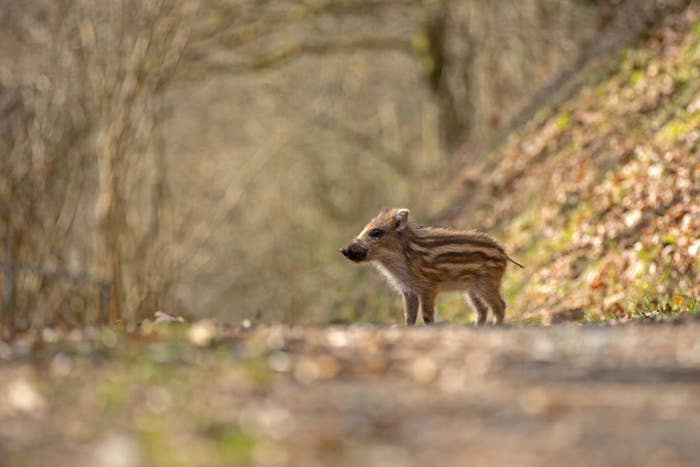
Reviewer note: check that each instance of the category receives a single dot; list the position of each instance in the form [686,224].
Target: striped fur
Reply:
[420,262]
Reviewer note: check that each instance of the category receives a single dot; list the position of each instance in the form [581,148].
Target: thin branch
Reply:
[275,60]
[372,145]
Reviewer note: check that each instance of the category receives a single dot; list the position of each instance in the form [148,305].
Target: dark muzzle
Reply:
[354,252]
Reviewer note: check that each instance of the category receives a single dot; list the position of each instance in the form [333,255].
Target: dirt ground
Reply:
[565,395]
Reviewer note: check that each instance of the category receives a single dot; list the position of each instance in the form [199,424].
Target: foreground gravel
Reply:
[357,395]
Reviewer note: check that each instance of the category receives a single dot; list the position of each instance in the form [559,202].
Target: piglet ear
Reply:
[401,217]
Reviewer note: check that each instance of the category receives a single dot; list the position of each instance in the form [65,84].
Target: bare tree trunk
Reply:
[9,284]
[110,209]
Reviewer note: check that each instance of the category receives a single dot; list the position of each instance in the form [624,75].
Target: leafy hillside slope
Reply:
[600,197]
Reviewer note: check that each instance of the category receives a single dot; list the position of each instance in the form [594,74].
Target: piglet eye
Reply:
[376,233]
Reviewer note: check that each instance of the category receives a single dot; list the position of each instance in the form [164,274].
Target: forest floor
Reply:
[200,394]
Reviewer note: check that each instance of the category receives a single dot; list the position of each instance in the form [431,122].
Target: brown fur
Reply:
[420,262]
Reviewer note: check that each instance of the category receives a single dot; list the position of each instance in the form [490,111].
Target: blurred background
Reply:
[209,157]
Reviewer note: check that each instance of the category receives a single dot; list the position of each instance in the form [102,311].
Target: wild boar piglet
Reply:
[420,262]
